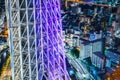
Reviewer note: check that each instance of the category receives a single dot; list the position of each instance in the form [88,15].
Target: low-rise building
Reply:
[113,55]
[76,41]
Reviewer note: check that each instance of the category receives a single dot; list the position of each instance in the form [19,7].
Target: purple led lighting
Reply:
[51,55]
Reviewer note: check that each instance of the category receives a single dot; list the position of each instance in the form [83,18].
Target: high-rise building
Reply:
[36,45]
[98,60]
[88,47]
[97,45]
[85,50]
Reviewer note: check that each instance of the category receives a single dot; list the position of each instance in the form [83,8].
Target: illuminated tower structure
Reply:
[36,44]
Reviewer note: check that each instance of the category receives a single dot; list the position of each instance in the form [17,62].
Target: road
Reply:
[82,73]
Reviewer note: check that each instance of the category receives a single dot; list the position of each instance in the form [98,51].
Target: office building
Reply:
[98,60]
[89,47]
[97,45]
[85,50]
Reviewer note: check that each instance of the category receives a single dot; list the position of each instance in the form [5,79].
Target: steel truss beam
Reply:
[36,43]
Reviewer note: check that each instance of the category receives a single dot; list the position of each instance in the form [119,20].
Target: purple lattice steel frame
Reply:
[51,57]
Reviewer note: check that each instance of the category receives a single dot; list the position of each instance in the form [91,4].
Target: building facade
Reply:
[87,48]
[98,60]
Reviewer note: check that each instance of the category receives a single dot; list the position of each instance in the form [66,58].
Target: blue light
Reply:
[94,72]
[108,34]
[92,36]
[71,72]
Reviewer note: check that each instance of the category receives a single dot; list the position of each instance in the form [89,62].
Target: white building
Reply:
[85,50]
[88,47]
[76,41]
[97,45]
[98,60]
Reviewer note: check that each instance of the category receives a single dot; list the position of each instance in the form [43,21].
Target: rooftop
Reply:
[100,55]
[88,41]
[114,51]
